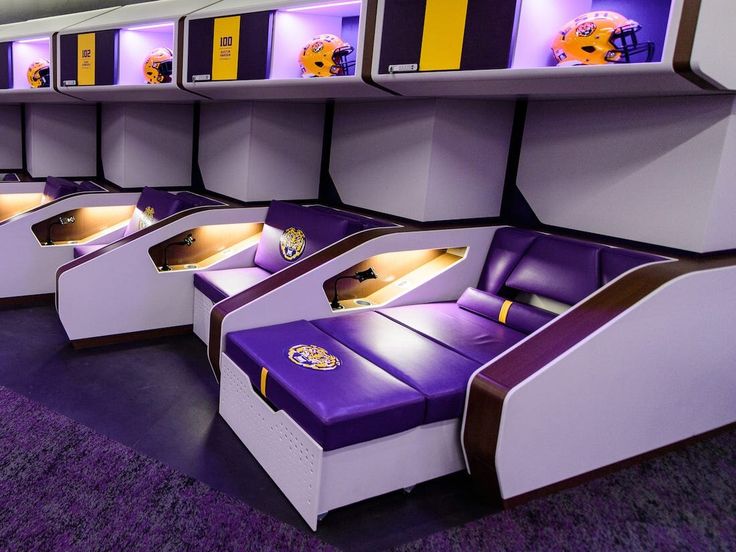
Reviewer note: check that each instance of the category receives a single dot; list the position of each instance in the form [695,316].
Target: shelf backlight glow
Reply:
[323,6]
[151,26]
[29,40]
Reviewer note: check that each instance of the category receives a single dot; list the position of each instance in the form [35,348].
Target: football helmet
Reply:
[600,37]
[325,56]
[38,73]
[158,66]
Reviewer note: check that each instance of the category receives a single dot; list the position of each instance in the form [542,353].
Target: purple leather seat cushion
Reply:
[81,250]
[10,177]
[353,403]
[59,187]
[521,317]
[152,206]
[438,373]
[221,284]
[320,230]
[466,333]
[508,246]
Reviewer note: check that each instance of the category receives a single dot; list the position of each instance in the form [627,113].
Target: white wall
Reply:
[61,140]
[147,144]
[258,151]
[422,159]
[659,170]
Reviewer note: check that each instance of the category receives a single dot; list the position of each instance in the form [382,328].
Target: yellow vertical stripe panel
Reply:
[264,377]
[444,30]
[225,46]
[504,311]
[86,59]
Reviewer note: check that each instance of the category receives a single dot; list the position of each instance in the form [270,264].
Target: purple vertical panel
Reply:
[6,65]
[68,58]
[403,27]
[201,34]
[106,57]
[489,30]
[350,27]
[254,51]
[653,15]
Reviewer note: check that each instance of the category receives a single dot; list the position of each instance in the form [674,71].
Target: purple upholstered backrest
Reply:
[293,232]
[195,200]
[562,269]
[153,205]
[58,187]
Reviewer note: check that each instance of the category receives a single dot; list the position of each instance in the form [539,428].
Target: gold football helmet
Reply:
[38,73]
[158,66]
[600,37]
[325,56]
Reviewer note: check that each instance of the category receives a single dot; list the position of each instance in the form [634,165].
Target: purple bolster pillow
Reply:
[518,316]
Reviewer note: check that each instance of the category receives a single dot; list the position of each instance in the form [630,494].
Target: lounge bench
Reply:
[360,396]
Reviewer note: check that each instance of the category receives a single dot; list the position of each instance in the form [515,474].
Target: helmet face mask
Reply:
[325,55]
[598,38]
[39,75]
[158,66]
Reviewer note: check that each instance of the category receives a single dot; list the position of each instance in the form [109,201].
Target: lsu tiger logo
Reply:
[585,29]
[146,219]
[313,357]
[292,244]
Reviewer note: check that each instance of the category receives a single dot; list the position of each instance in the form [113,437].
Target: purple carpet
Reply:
[65,487]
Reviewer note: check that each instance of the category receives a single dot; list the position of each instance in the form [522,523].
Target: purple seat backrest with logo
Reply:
[153,205]
[293,232]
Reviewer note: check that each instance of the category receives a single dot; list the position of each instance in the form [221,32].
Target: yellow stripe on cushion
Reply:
[504,311]
[264,377]
[444,30]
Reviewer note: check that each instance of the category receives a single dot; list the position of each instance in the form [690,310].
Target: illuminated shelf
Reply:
[262,61]
[90,224]
[510,53]
[397,274]
[101,59]
[212,244]
[25,42]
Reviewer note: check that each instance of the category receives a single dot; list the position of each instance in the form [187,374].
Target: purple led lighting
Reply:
[150,26]
[29,40]
[323,6]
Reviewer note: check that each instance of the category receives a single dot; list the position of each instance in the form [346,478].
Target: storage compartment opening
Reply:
[89,223]
[207,246]
[136,43]
[295,27]
[396,273]
[540,21]
[25,53]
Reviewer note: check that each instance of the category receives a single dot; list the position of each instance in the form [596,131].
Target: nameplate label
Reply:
[201,78]
[403,68]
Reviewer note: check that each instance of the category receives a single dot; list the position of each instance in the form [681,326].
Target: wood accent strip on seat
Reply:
[490,387]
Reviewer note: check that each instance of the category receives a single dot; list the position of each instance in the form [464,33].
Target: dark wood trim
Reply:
[106,340]
[617,466]
[26,301]
[490,387]
[369,38]
[684,45]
